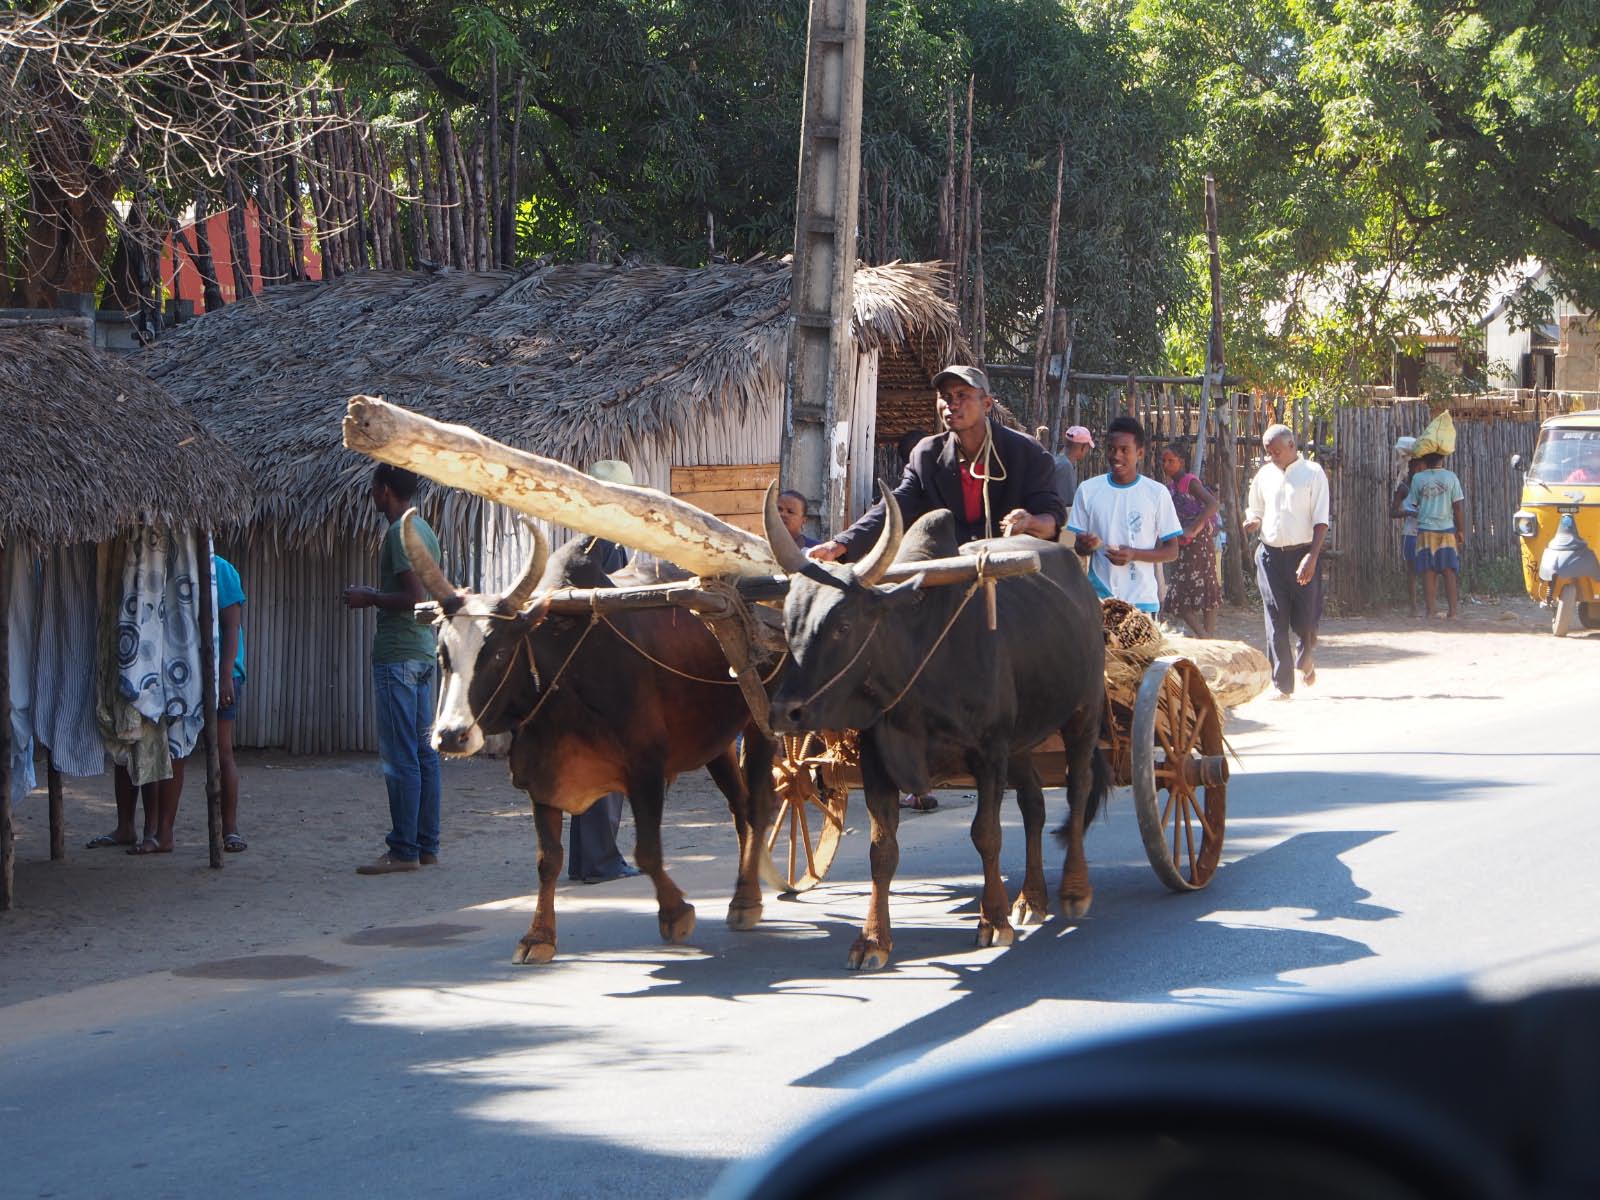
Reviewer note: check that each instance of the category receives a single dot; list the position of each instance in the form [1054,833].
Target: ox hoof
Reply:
[990,934]
[678,928]
[1027,912]
[744,917]
[1076,905]
[533,954]
[867,956]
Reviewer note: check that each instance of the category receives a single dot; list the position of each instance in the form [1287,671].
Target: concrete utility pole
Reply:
[821,374]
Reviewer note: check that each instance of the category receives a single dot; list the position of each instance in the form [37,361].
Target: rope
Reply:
[555,680]
[972,589]
[668,667]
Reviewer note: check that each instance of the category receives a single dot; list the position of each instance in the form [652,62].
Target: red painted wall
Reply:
[188,283]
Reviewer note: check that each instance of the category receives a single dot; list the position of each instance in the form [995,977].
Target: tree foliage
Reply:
[1386,166]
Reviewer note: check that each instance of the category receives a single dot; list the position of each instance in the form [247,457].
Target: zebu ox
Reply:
[620,704]
[935,694]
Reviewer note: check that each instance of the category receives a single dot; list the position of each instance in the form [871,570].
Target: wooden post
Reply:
[58,839]
[821,361]
[1041,366]
[1233,571]
[8,835]
[1213,369]
[1058,401]
[208,694]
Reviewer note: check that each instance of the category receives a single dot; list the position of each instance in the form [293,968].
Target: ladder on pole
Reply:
[820,378]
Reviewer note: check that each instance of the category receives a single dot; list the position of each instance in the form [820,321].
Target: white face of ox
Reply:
[464,670]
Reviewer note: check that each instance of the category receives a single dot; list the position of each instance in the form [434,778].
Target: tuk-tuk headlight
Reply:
[1527,524]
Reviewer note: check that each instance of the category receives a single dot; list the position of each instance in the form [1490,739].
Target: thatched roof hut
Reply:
[92,447]
[576,362]
[678,371]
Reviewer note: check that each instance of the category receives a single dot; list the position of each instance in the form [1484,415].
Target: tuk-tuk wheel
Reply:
[1566,613]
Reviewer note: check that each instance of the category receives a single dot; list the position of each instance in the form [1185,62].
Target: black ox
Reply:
[935,694]
[618,704]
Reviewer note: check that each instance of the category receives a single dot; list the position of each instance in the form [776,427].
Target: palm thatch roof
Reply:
[575,362]
[92,446]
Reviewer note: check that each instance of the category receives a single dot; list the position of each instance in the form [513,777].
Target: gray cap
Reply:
[969,375]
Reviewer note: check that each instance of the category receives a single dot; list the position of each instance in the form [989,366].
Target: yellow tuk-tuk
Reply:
[1559,521]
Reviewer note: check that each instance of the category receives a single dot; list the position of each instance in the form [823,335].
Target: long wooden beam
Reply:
[642,518]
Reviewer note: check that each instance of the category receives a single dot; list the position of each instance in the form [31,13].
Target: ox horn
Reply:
[521,591]
[871,568]
[790,557]
[422,561]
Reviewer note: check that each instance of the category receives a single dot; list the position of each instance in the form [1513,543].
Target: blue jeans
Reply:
[404,692]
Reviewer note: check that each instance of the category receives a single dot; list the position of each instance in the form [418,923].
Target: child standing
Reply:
[1406,513]
[1441,523]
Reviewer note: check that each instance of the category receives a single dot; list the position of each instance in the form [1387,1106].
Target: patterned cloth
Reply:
[1192,584]
[151,710]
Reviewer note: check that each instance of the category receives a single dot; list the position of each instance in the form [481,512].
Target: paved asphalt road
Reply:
[1374,841]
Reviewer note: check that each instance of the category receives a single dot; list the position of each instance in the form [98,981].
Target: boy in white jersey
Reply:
[1125,522]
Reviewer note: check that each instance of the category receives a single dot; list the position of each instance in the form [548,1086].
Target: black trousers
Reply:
[593,838]
[1292,611]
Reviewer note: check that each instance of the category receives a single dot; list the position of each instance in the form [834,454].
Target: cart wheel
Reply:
[1566,614]
[808,818]
[1180,773]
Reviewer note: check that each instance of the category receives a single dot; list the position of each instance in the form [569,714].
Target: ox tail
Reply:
[1099,789]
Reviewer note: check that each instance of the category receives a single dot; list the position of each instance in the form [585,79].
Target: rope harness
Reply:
[972,590]
[596,617]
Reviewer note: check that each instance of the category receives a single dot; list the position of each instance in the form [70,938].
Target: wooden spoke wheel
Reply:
[808,817]
[1180,773]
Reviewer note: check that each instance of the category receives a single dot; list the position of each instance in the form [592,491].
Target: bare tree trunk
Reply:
[449,155]
[210,289]
[980,328]
[1041,364]
[294,218]
[431,199]
[238,238]
[496,239]
[514,186]
[964,225]
[419,215]
[480,208]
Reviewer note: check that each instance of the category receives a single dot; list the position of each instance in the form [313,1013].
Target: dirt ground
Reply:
[100,915]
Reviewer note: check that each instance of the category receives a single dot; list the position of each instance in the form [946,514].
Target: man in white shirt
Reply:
[1289,505]
[1125,523]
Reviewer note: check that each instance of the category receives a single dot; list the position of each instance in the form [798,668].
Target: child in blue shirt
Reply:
[1440,504]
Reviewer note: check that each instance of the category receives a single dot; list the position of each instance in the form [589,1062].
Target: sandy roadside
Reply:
[101,915]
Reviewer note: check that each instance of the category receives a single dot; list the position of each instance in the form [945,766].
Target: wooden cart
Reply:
[1164,739]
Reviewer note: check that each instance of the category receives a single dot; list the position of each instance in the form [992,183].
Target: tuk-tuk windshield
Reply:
[1567,456]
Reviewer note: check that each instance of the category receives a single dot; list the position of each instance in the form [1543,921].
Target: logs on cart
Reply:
[1236,672]
[643,518]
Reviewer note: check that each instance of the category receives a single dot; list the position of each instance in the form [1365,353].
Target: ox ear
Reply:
[898,595]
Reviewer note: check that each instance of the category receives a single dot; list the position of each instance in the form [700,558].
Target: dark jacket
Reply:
[932,480]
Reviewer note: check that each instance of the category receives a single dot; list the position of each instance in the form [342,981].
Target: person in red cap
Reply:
[995,481]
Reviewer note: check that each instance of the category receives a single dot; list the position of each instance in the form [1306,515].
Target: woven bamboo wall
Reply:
[1369,568]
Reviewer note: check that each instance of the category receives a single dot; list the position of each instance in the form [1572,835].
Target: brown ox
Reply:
[623,703]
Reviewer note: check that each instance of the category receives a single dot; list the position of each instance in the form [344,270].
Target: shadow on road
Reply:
[1139,945]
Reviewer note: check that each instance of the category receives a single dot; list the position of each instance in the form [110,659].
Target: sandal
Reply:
[919,803]
[149,846]
[233,843]
[105,839]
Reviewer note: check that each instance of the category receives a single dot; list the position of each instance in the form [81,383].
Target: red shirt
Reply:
[971,495]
